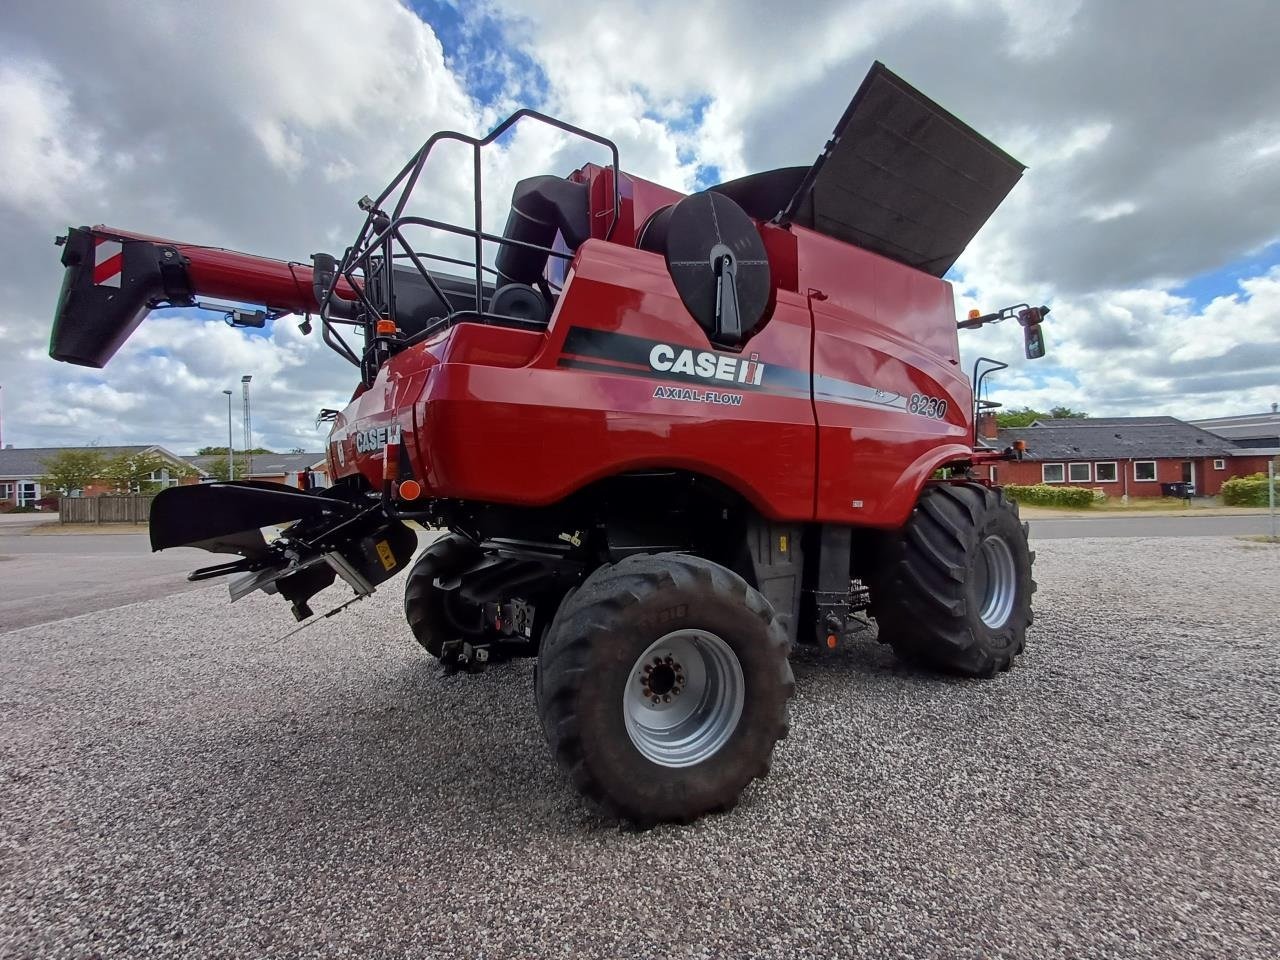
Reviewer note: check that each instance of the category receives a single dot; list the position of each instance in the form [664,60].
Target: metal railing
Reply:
[381,240]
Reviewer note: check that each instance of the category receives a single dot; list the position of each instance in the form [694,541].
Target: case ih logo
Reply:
[709,366]
[369,441]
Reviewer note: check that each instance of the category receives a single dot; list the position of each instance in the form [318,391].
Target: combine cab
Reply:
[728,422]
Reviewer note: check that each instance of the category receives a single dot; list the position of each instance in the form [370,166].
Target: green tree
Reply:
[1025,416]
[70,470]
[1018,416]
[136,472]
[218,469]
[222,451]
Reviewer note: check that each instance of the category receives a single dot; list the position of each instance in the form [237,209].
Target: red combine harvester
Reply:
[670,436]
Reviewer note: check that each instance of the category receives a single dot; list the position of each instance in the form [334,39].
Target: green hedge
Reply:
[1050,495]
[1248,491]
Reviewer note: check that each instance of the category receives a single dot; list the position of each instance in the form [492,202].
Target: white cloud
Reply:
[1149,351]
[44,156]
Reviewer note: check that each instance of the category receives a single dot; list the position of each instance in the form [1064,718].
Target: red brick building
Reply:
[1121,456]
[22,470]
[303,470]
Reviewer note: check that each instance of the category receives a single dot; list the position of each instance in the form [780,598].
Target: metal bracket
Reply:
[348,573]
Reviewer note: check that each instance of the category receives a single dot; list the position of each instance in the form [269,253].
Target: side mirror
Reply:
[1032,335]
[1033,341]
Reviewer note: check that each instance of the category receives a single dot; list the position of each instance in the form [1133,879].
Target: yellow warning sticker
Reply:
[385,555]
[782,543]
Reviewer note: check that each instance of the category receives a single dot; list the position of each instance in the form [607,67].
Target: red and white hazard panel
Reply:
[108,262]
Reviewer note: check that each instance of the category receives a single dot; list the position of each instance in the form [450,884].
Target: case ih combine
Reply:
[669,436]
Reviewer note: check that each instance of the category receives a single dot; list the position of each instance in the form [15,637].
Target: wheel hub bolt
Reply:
[662,680]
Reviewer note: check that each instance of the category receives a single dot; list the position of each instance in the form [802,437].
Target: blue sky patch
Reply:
[477,50]
[1225,281]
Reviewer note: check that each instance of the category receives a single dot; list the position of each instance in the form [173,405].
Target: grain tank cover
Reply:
[900,176]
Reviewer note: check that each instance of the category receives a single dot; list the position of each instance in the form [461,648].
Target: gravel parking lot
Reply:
[178,781]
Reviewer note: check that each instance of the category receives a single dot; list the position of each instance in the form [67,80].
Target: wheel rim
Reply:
[997,582]
[683,698]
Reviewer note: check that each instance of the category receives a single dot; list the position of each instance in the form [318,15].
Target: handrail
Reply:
[977,387]
[382,233]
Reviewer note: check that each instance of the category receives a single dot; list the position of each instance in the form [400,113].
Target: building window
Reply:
[1144,470]
[1052,473]
[1105,472]
[1219,464]
[6,491]
[993,474]
[28,493]
[161,479]
[1079,473]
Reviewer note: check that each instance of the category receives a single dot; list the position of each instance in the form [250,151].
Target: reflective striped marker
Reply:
[108,262]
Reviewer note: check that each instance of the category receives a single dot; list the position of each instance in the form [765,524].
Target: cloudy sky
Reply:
[1149,218]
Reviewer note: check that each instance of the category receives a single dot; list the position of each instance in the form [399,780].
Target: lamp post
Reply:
[248,429]
[231,460]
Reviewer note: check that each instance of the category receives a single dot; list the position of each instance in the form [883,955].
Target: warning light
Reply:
[410,490]
[831,641]
[386,328]
[975,313]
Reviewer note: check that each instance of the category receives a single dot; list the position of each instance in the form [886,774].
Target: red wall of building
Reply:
[1208,480]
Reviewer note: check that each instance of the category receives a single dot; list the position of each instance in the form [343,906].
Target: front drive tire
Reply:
[955,590]
[663,687]
[434,616]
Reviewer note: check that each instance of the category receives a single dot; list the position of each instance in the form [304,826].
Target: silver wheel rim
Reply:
[683,698]
[997,582]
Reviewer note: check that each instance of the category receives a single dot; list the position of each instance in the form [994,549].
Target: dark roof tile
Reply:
[1116,438]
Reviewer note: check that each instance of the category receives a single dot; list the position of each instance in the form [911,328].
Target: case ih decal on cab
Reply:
[705,364]
[376,439]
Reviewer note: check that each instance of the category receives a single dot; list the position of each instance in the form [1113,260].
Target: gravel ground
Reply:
[174,784]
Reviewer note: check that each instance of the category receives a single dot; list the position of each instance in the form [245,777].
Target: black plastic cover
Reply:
[418,305]
[541,206]
[696,233]
[227,517]
[93,319]
[900,176]
[764,195]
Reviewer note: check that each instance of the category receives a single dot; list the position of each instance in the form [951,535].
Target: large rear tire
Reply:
[663,687]
[956,586]
[436,616]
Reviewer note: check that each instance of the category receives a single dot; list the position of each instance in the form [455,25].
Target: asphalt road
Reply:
[180,781]
[48,577]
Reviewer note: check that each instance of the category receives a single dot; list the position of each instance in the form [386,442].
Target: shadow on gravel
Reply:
[861,658]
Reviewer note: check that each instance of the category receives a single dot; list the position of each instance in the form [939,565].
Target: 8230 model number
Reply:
[933,407]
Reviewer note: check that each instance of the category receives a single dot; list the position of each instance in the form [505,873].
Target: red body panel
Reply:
[500,415]
[837,410]
[533,434]
[243,277]
[891,330]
